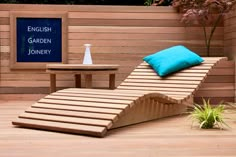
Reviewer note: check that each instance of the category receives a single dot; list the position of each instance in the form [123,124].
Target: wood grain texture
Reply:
[163,137]
[120,35]
[229,38]
[130,103]
[72,113]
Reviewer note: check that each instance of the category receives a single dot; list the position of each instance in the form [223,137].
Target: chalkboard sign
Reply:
[38,39]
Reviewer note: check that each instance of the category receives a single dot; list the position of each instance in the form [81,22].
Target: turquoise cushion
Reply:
[172,59]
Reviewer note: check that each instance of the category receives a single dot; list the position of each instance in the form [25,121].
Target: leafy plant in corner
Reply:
[157,2]
[149,2]
[204,12]
[208,116]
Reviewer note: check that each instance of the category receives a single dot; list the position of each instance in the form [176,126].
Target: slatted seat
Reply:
[142,96]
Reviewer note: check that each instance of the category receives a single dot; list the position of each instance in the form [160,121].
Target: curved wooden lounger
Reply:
[143,96]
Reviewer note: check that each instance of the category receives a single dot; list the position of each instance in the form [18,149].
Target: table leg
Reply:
[78,80]
[52,83]
[112,81]
[88,80]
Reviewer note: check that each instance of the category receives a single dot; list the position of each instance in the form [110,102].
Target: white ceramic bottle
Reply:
[87,55]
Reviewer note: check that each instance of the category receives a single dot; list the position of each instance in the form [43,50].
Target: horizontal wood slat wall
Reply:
[118,34]
[230,39]
[219,85]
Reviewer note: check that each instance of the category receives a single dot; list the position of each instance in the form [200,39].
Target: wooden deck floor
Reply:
[167,137]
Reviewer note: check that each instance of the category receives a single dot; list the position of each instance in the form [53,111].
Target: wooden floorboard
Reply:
[166,137]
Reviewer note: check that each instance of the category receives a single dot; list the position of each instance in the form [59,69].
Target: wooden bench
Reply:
[81,69]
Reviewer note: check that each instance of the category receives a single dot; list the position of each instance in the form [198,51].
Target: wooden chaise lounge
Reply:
[143,96]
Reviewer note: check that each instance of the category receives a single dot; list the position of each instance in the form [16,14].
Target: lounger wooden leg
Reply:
[112,81]
[78,80]
[52,83]
[88,80]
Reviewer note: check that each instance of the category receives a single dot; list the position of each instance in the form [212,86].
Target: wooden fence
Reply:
[119,34]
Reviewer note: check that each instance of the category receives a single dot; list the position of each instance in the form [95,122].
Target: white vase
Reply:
[87,55]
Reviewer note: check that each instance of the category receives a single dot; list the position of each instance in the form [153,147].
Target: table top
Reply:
[82,66]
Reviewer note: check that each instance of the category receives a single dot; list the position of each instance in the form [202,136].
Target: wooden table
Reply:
[81,69]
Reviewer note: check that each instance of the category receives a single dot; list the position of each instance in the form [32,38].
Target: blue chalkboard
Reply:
[39,39]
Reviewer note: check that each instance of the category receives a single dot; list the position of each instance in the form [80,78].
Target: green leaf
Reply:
[208,116]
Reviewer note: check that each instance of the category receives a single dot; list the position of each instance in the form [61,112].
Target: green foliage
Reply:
[148,2]
[158,2]
[208,116]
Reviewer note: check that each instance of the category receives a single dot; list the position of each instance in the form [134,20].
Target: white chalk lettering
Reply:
[39,29]
[39,52]
[39,40]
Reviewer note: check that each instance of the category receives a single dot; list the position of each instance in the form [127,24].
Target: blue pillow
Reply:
[172,59]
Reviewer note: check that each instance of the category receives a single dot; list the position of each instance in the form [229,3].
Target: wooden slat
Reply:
[157,89]
[217,86]
[135,35]
[4,42]
[89,99]
[203,64]
[206,63]
[4,28]
[78,108]
[4,21]
[45,77]
[157,85]
[144,30]
[163,81]
[83,72]
[85,8]
[70,101]
[190,70]
[132,30]
[91,15]
[5,48]
[63,127]
[148,92]
[73,113]
[222,71]
[132,43]
[93,95]
[130,50]
[65,119]
[163,91]
[216,59]
[214,100]
[82,66]
[124,22]
[101,92]
[166,78]
[225,64]
[175,74]
[215,93]
[219,79]
[198,68]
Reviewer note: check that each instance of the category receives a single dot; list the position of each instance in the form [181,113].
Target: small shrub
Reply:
[208,116]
